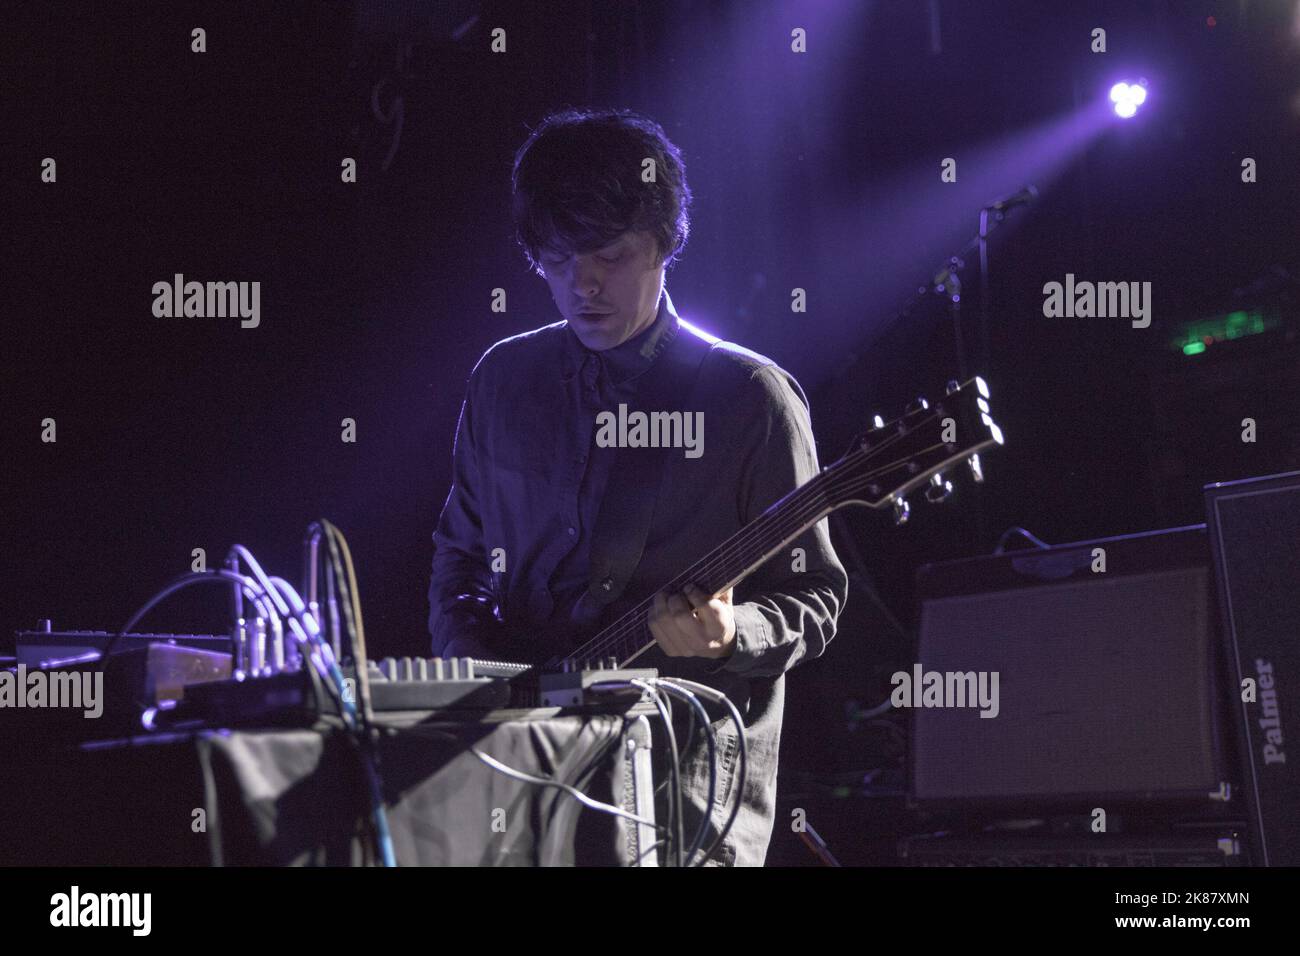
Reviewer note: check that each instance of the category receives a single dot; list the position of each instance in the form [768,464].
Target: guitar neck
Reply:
[884,464]
[723,567]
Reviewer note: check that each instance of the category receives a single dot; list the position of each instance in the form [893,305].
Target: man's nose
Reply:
[586,279]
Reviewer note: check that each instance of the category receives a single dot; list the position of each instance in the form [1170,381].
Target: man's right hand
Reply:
[468,629]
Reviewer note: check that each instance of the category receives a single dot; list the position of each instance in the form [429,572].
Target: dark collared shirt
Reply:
[528,478]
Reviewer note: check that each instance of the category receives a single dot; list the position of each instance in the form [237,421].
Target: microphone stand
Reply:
[947,282]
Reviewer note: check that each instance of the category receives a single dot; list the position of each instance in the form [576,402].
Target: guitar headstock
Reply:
[892,458]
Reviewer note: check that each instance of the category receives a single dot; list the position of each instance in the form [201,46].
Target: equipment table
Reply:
[298,795]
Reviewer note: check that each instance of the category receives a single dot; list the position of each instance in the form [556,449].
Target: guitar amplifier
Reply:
[1095,665]
[1255,535]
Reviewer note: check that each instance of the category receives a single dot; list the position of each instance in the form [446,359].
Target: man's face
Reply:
[609,295]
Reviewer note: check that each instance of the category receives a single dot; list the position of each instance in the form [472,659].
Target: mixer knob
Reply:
[388,667]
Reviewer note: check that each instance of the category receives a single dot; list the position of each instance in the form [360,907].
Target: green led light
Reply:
[1195,336]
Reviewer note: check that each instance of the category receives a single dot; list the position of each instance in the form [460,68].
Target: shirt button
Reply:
[572,530]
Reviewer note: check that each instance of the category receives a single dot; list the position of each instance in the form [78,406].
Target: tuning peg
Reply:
[919,405]
[939,490]
[952,386]
[877,422]
[901,511]
[976,469]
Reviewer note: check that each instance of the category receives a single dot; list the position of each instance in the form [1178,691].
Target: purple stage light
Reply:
[1127,97]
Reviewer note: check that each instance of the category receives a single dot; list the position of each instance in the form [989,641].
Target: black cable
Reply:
[602,754]
[516,774]
[366,734]
[742,772]
[650,849]
[675,794]
[296,615]
[360,662]
[317,687]
[667,702]
[652,686]
[670,781]
[710,738]
[184,581]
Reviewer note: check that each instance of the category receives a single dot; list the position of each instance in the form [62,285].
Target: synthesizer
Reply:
[406,684]
[396,684]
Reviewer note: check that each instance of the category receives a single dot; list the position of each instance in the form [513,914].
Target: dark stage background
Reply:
[819,171]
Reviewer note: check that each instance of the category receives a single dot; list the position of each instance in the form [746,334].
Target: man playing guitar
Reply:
[516,543]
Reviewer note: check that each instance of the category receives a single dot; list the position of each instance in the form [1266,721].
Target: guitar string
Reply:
[630,623]
[629,626]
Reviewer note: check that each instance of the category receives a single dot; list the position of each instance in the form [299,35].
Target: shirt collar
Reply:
[628,359]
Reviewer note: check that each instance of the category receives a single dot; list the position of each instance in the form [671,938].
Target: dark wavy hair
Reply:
[577,184]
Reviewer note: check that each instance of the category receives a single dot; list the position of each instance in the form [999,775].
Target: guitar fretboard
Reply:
[723,567]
